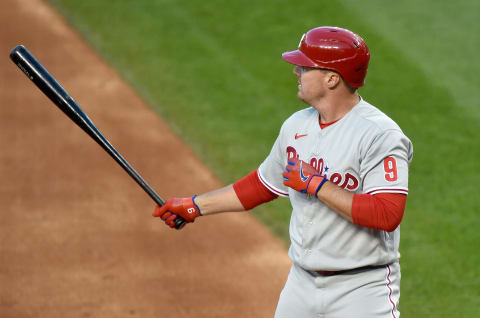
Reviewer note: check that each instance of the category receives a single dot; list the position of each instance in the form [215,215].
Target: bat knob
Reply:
[179,223]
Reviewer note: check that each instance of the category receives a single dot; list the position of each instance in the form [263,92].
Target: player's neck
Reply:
[335,106]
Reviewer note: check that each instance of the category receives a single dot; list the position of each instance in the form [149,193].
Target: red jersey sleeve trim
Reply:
[251,191]
[381,211]
[387,190]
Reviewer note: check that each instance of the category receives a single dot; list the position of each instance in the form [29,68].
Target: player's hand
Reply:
[303,177]
[185,208]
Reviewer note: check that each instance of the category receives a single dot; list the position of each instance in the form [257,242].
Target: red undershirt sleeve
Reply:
[382,211]
[251,191]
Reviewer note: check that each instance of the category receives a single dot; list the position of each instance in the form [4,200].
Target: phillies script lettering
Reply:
[344,180]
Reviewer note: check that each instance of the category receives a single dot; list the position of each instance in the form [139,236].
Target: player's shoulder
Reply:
[301,117]
[374,127]
[303,114]
[372,118]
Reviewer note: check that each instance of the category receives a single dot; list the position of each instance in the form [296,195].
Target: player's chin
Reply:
[301,96]
[299,92]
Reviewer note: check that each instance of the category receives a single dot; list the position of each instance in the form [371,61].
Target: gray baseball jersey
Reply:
[364,152]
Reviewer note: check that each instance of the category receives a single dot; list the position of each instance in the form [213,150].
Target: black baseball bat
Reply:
[53,90]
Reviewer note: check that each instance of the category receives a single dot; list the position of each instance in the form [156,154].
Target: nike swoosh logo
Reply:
[299,136]
[302,176]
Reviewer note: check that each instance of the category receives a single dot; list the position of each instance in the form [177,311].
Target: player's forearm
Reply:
[337,199]
[218,201]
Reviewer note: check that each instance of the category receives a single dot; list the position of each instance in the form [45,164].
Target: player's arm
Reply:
[218,201]
[383,211]
[245,194]
[337,199]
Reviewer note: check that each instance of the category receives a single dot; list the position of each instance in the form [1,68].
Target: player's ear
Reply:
[333,79]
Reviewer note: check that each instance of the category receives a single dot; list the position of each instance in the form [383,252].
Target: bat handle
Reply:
[179,223]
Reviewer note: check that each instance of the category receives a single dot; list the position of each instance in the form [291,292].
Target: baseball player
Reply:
[344,166]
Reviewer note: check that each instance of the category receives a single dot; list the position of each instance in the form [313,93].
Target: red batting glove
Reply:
[186,208]
[302,177]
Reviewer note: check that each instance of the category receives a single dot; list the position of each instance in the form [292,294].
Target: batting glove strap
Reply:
[315,184]
[196,206]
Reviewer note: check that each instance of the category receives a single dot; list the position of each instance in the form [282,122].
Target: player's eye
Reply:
[304,69]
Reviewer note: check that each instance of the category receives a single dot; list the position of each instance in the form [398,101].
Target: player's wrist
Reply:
[196,205]
[316,183]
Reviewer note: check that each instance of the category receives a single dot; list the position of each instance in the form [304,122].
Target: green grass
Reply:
[442,37]
[213,70]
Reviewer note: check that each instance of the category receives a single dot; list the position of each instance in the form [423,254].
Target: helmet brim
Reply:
[298,58]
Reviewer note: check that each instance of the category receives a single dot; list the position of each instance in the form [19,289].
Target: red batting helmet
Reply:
[334,49]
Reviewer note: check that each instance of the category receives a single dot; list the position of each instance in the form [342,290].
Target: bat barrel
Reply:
[50,87]
[38,74]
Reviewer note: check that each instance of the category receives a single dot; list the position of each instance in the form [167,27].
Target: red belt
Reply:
[328,273]
[331,273]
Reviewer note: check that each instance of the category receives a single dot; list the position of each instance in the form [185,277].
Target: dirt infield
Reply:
[76,235]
